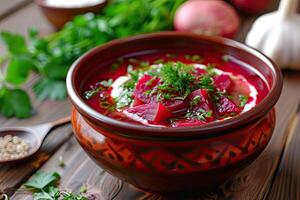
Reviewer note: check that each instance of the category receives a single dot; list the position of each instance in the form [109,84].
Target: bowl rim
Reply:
[42,4]
[222,127]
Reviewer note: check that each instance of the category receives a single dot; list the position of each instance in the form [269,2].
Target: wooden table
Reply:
[274,175]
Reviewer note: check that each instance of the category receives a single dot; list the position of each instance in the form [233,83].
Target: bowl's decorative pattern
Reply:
[171,158]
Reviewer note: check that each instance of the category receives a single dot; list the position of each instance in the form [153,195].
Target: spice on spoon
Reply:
[12,147]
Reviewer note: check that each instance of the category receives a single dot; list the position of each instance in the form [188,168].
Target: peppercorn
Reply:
[12,147]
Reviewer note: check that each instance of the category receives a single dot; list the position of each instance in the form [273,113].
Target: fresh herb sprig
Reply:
[176,76]
[243,100]
[44,187]
[52,56]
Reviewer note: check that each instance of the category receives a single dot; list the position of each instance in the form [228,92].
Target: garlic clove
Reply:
[277,35]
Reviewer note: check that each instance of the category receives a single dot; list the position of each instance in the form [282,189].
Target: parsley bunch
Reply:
[52,56]
[44,187]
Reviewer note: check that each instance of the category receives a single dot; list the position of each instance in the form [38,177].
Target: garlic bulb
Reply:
[277,34]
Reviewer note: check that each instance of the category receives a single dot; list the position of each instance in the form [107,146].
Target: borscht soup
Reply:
[172,89]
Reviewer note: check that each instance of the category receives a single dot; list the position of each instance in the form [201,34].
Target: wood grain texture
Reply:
[286,184]
[12,176]
[252,184]
[22,20]
[8,7]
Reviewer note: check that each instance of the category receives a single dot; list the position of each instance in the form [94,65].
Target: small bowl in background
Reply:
[58,16]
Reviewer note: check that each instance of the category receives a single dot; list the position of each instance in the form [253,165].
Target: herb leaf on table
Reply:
[41,180]
[44,187]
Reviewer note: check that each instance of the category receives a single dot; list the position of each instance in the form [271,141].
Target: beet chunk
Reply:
[175,105]
[227,107]
[200,99]
[144,85]
[223,82]
[152,112]
[201,104]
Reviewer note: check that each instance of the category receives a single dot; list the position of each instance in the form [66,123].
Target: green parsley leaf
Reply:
[194,58]
[15,102]
[42,196]
[243,100]
[46,88]
[18,69]
[44,187]
[206,82]
[125,98]
[106,83]
[199,114]
[41,180]
[15,43]
[52,56]
[226,58]
[91,93]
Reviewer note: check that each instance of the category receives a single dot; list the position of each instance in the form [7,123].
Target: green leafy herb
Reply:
[52,56]
[44,187]
[195,100]
[243,100]
[15,102]
[96,89]
[199,114]
[226,58]
[50,89]
[206,82]
[176,75]
[125,98]
[41,180]
[194,58]
[106,83]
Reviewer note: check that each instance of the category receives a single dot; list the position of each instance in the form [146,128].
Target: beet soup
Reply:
[175,89]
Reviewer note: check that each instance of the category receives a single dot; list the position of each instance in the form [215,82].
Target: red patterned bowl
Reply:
[173,159]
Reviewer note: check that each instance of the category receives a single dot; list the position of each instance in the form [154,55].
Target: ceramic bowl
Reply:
[58,16]
[167,159]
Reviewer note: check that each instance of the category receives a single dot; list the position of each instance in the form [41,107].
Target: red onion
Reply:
[209,17]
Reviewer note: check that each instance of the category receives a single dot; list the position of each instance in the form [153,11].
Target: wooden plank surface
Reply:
[252,184]
[12,176]
[8,7]
[22,20]
[286,183]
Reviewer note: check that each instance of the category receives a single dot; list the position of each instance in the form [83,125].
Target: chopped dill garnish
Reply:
[226,58]
[91,93]
[206,82]
[125,98]
[177,75]
[95,89]
[194,58]
[199,114]
[243,100]
[195,100]
[106,83]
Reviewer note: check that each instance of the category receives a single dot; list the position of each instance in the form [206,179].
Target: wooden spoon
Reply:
[33,135]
